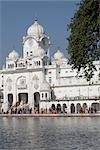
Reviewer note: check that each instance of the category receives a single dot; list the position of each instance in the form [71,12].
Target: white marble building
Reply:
[43,83]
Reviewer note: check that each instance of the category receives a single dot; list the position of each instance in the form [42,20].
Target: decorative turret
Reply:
[13,55]
[58,55]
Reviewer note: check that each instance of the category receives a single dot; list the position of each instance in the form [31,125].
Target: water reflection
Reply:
[50,133]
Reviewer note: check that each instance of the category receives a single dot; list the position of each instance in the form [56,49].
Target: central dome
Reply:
[35,30]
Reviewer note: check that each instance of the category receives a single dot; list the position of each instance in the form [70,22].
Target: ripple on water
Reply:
[50,133]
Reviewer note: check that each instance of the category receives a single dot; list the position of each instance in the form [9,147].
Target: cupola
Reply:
[58,55]
[35,30]
[13,55]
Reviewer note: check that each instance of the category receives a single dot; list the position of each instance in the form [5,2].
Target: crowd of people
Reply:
[27,110]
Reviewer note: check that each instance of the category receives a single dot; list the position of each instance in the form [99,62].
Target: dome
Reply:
[39,52]
[58,55]
[45,86]
[35,30]
[13,55]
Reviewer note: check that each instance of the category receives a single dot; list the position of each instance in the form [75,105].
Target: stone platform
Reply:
[50,115]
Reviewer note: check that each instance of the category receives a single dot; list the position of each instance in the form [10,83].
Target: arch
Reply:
[36,102]
[23,98]
[1,96]
[84,105]
[10,99]
[85,110]
[95,107]
[58,108]
[20,78]
[78,107]
[72,107]
[64,107]
[53,107]
[1,100]
[9,80]
[21,81]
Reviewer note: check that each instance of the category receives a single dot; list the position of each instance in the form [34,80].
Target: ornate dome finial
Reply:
[36,18]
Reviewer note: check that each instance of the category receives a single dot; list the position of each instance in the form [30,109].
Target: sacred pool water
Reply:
[50,133]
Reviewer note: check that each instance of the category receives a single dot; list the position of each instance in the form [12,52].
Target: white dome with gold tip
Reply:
[35,30]
[58,55]
[13,55]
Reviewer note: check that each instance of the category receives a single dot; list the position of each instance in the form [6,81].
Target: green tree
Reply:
[84,39]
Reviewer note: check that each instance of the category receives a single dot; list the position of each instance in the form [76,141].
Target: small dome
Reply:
[39,52]
[13,55]
[58,55]
[35,30]
[45,86]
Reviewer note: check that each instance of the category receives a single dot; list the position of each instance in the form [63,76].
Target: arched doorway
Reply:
[36,101]
[78,107]
[58,108]
[95,107]
[64,108]
[53,106]
[72,108]
[1,96]
[23,98]
[1,100]
[85,110]
[10,100]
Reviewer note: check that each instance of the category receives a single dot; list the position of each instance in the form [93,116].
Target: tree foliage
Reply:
[84,39]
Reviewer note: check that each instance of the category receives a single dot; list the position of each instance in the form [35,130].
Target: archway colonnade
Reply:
[77,107]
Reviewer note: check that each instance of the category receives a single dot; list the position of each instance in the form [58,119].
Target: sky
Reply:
[16,16]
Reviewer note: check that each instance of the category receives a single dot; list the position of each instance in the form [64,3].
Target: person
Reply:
[91,110]
[30,110]
[65,110]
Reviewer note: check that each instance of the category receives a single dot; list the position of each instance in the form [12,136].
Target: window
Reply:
[42,95]
[50,79]
[10,65]
[45,71]
[45,95]
[39,63]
